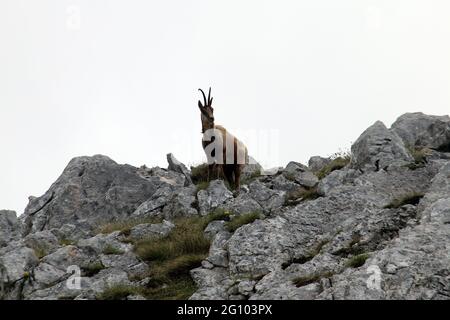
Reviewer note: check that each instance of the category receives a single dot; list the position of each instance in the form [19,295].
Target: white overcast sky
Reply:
[293,78]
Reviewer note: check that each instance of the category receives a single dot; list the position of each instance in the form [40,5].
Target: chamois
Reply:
[225,153]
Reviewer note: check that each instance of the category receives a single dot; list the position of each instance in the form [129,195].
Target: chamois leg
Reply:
[210,171]
[228,173]
[237,176]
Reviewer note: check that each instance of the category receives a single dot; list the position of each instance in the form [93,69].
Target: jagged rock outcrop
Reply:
[90,190]
[375,228]
[421,130]
[378,148]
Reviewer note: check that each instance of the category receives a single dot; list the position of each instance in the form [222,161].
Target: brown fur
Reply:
[231,171]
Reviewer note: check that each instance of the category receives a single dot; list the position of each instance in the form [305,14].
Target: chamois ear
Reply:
[200,104]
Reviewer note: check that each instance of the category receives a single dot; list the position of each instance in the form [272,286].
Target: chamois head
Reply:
[207,112]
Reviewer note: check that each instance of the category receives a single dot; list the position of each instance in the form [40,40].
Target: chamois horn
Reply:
[204,97]
[209,97]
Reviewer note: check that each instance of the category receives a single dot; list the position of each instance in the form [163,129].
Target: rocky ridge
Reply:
[371,225]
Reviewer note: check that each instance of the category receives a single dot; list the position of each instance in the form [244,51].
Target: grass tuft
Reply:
[110,249]
[92,268]
[66,242]
[336,164]
[124,226]
[301,194]
[305,280]
[199,173]
[174,256]
[240,220]
[357,261]
[411,198]
[118,292]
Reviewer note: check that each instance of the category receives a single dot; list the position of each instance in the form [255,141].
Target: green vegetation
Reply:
[40,252]
[124,226]
[202,185]
[217,214]
[336,164]
[305,280]
[92,268]
[199,173]
[186,238]
[357,261]
[301,194]
[110,249]
[241,220]
[66,242]
[118,292]
[181,289]
[410,198]
[174,256]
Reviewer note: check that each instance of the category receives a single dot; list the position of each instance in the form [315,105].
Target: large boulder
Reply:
[316,163]
[91,190]
[299,173]
[378,148]
[421,130]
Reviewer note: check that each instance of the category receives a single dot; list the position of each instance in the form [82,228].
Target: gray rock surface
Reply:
[378,148]
[376,229]
[9,227]
[179,167]
[211,198]
[93,189]
[421,130]
[299,173]
[316,163]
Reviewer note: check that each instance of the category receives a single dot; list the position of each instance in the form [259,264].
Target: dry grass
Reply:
[240,220]
[174,256]
[357,261]
[336,164]
[301,194]
[124,226]
[315,277]
[410,198]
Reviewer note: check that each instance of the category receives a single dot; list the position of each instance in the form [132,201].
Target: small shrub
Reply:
[177,266]
[40,252]
[199,173]
[179,289]
[175,255]
[357,261]
[202,185]
[217,214]
[304,281]
[420,157]
[117,292]
[411,198]
[124,226]
[92,268]
[336,164]
[109,249]
[301,194]
[66,242]
[241,220]
[419,154]
[186,238]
